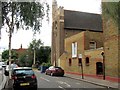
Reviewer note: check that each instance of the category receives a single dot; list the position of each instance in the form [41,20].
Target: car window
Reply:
[25,72]
[58,67]
[51,67]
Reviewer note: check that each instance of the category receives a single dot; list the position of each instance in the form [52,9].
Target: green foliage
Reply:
[111,10]
[5,55]
[24,14]
[35,44]
[42,53]
[25,60]
[22,60]
[46,64]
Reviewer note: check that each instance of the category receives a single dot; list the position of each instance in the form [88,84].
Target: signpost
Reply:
[80,57]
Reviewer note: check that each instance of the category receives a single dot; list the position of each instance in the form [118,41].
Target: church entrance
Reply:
[99,68]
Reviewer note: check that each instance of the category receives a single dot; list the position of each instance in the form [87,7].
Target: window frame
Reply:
[87,61]
[74,49]
[70,61]
[92,46]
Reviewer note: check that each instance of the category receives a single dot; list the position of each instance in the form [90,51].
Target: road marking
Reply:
[67,84]
[45,79]
[77,83]
[61,87]
[61,82]
[54,77]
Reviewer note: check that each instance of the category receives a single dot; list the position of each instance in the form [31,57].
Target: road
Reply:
[46,81]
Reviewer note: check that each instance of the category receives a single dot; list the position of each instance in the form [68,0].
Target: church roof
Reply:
[82,20]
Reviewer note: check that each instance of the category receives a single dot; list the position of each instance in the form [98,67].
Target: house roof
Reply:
[82,20]
[20,50]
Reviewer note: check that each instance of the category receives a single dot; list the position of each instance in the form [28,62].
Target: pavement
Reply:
[96,81]
[3,80]
[0,77]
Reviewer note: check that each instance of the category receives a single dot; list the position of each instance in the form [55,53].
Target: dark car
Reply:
[24,78]
[54,71]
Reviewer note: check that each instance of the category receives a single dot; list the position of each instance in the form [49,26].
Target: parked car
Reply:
[52,70]
[24,78]
[1,63]
[12,67]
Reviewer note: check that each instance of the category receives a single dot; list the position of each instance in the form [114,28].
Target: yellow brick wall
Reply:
[111,47]
[94,55]
[93,36]
[68,47]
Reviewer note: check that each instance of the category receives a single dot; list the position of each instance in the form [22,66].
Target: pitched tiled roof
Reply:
[82,20]
[20,50]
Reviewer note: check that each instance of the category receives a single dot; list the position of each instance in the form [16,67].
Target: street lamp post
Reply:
[103,65]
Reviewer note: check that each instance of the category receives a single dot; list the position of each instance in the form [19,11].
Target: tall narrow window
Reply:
[70,62]
[92,45]
[55,25]
[87,60]
[74,49]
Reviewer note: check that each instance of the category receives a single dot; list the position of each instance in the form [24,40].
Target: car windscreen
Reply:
[24,72]
[58,67]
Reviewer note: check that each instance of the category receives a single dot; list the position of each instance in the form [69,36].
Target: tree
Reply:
[111,10]
[33,48]
[22,14]
[5,55]
[42,53]
[35,44]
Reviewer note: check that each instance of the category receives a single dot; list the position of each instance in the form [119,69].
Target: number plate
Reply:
[24,84]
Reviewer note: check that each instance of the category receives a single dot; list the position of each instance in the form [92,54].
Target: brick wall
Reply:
[111,47]
[94,55]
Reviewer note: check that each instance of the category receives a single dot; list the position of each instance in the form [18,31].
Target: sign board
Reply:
[80,56]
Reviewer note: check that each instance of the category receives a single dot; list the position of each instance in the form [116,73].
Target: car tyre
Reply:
[51,74]
[45,73]
[62,75]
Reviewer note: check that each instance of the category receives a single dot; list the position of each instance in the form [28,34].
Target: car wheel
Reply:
[62,75]
[45,73]
[35,88]
[51,74]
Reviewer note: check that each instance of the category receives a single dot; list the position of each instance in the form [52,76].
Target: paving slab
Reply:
[92,80]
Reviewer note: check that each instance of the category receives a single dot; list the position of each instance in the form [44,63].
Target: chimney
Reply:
[21,46]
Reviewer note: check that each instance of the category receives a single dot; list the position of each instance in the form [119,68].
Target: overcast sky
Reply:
[25,37]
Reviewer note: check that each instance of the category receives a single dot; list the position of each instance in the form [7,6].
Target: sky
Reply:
[25,37]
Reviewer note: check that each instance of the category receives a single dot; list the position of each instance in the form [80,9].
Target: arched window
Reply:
[87,60]
[70,61]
